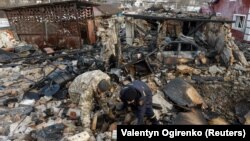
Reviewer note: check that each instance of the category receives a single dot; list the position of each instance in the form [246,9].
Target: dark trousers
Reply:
[149,113]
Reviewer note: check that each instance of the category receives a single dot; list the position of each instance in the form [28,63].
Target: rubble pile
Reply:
[213,40]
[11,48]
[222,86]
[215,84]
[7,39]
[45,112]
[244,47]
[48,113]
[39,87]
[160,10]
[220,37]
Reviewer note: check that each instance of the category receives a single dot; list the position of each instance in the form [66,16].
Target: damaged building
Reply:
[239,12]
[165,29]
[67,24]
[190,60]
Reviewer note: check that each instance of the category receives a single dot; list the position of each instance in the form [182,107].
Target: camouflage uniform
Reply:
[83,90]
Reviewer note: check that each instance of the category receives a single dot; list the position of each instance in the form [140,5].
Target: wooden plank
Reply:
[91,31]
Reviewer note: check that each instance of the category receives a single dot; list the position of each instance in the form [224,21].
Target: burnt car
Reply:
[141,61]
[179,52]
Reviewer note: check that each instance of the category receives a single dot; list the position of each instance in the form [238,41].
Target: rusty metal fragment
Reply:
[52,133]
[6,56]
[241,110]
[183,94]
[193,117]
[24,110]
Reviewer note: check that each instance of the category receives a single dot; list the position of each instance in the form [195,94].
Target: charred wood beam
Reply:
[196,28]
[57,76]
[145,59]
[200,79]
[44,57]
[36,84]
[140,29]
[177,18]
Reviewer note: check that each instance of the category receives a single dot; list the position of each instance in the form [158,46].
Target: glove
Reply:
[111,115]
[121,107]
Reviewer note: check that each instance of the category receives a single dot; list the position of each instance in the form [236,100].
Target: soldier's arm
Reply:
[103,103]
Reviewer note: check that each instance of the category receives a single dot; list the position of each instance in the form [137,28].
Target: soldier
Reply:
[87,88]
[138,96]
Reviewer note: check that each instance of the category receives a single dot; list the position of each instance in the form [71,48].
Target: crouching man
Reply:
[138,96]
[86,89]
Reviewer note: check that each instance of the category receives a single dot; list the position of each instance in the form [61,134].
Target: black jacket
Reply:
[145,95]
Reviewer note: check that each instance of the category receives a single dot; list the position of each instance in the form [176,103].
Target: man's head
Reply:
[103,86]
[129,94]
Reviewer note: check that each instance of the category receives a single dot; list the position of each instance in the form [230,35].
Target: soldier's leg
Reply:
[85,104]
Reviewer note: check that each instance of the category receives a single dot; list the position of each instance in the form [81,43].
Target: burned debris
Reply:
[183,94]
[196,71]
[210,39]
